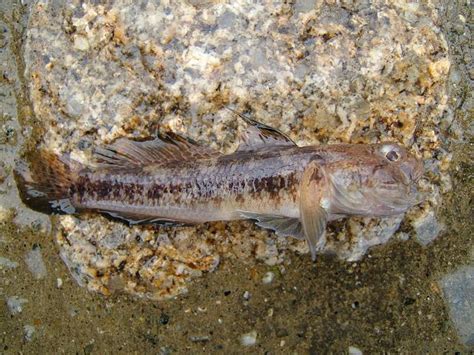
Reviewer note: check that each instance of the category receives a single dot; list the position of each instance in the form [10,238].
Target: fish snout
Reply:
[413,169]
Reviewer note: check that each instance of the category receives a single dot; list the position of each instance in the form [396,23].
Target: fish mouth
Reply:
[413,195]
[401,195]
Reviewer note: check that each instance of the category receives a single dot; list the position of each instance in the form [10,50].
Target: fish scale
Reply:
[205,185]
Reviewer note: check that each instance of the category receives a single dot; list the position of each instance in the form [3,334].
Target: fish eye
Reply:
[391,152]
[392,155]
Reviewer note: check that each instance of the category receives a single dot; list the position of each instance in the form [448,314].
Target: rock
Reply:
[439,69]
[249,339]
[281,332]
[6,263]
[164,350]
[35,263]
[426,227]
[88,349]
[81,43]
[268,278]
[28,331]
[199,338]
[365,233]
[25,217]
[354,351]
[164,319]
[304,5]
[15,304]
[458,288]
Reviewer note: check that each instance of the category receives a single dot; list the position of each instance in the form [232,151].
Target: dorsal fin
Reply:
[258,135]
[165,149]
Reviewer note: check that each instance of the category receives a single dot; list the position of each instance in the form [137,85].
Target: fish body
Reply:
[170,179]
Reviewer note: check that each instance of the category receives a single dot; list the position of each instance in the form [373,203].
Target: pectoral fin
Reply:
[313,216]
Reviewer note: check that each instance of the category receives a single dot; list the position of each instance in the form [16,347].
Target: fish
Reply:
[169,179]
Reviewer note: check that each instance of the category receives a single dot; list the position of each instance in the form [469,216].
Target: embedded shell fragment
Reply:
[318,71]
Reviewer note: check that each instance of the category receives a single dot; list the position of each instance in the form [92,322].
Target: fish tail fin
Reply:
[45,182]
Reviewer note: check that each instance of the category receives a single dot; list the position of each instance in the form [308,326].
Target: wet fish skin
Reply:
[170,179]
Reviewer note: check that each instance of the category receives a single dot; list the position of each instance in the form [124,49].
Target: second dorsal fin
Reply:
[164,149]
[258,135]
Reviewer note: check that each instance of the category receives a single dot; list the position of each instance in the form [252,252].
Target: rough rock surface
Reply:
[458,288]
[320,71]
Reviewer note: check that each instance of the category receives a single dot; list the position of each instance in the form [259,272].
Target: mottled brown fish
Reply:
[170,179]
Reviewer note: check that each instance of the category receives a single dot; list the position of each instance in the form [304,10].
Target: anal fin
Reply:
[137,219]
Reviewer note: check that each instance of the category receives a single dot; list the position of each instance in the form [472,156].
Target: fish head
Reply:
[376,180]
[398,165]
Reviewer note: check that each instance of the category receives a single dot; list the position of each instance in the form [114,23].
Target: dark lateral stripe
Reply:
[146,192]
[107,189]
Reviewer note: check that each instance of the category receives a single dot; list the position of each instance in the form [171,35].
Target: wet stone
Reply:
[35,263]
[164,319]
[249,339]
[6,263]
[29,331]
[268,278]
[15,304]
[458,289]
[88,349]
[164,350]
[281,332]
[427,228]
[199,338]
[354,350]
